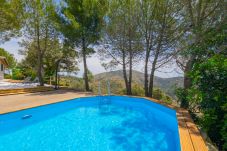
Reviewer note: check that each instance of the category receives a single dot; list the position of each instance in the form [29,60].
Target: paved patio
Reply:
[10,103]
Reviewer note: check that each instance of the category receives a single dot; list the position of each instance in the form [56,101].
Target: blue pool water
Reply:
[110,123]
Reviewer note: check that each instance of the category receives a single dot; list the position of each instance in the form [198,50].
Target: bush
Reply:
[210,84]
[17,74]
[7,76]
[27,72]
[137,90]
[157,94]
[21,72]
[160,95]
[167,99]
[182,97]
[72,82]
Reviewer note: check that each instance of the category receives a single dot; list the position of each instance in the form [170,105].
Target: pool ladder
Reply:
[108,88]
[106,99]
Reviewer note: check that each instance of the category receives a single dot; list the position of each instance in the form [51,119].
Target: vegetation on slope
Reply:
[167,85]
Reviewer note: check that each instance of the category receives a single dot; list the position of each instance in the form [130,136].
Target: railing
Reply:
[108,87]
[104,100]
[100,88]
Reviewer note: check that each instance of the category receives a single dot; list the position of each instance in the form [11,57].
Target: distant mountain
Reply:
[167,85]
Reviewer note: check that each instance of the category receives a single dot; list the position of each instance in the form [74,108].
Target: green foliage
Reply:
[9,57]
[55,52]
[22,71]
[80,22]
[208,73]
[62,53]
[17,74]
[82,19]
[72,82]
[27,71]
[137,90]
[182,97]
[122,24]
[11,17]
[224,128]
[167,99]
[160,95]
[210,80]
[189,98]
[7,76]
[157,94]
[38,31]
[194,99]
[90,76]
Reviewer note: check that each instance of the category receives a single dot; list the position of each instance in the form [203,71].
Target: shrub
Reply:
[17,74]
[137,90]
[72,82]
[157,94]
[210,83]
[182,97]
[7,76]
[167,99]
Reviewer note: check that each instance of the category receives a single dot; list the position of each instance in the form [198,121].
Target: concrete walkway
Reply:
[17,102]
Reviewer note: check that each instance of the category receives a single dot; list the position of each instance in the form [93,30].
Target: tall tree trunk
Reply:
[190,63]
[40,76]
[130,65]
[130,74]
[146,74]
[151,83]
[125,74]
[56,75]
[187,79]
[157,52]
[147,55]
[130,52]
[56,79]
[85,66]
[40,61]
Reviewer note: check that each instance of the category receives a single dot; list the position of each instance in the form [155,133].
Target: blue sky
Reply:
[94,64]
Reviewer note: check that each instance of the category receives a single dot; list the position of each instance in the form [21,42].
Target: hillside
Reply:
[166,84]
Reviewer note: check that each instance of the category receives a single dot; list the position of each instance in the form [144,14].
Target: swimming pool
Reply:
[107,123]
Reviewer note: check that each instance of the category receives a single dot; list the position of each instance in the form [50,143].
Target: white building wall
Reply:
[1,75]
